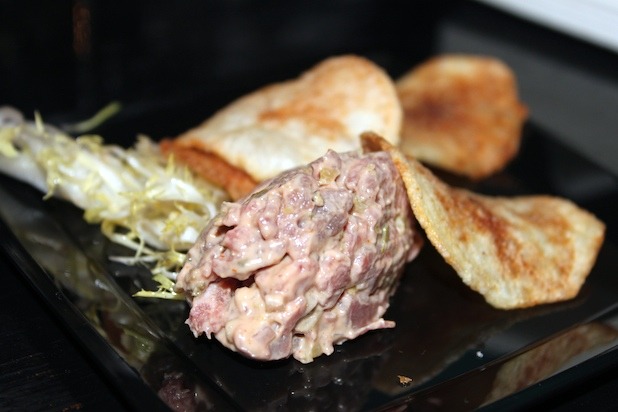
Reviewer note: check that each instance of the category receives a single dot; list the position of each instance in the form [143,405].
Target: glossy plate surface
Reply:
[449,351]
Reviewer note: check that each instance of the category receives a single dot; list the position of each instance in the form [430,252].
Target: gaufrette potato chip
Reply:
[516,252]
[292,123]
[461,113]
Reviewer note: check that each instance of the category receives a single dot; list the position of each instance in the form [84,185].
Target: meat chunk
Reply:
[308,260]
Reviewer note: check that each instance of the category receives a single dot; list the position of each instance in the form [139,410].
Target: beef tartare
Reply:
[310,259]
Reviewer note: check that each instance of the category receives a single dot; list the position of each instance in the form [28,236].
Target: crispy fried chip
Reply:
[462,114]
[292,123]
[212,168]
[516,252]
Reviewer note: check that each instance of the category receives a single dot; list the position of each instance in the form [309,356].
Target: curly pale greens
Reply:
[140,199]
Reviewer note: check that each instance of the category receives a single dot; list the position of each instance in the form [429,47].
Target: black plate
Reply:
[459,352]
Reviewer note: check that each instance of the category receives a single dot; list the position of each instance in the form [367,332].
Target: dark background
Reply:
[72,57]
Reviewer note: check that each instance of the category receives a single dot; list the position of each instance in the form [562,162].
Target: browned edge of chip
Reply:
[210,167]
[517,252]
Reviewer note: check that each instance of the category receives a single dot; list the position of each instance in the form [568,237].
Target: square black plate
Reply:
[459,352]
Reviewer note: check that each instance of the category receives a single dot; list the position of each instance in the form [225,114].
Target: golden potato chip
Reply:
[516,252]
[461,114]
[292,123]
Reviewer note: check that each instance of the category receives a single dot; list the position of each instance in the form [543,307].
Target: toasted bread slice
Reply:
[292,123]
[462,114]
[517,252]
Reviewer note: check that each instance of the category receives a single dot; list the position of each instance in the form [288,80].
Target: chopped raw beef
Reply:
[310,259]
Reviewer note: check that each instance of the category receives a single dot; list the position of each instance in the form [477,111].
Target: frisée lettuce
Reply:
[140,199]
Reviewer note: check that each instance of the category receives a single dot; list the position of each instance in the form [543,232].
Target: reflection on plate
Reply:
[449,351]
